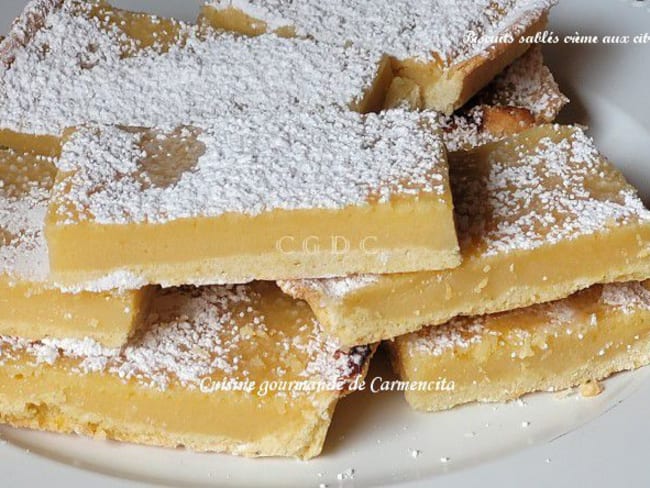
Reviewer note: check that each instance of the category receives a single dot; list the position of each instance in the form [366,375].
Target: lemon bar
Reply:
[527,83]
[540,215]
[71,62]
[258,196]
[32,306]
[449,49]
[237,369]
[495,358]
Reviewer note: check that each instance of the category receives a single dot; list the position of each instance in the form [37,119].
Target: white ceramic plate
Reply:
[543,440]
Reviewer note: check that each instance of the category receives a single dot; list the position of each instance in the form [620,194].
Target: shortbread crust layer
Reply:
[169,386]
[31,305]
[428,42]
[495,358]
[539,216]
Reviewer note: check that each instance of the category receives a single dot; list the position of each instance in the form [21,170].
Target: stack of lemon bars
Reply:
[208,229]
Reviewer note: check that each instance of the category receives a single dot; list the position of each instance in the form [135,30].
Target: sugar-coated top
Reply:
[220,333]
[546,185]
[532,326]
[25,185]
[76,67]
[325,159]
[450,30]
[527,83]
[465,130]
[542,187]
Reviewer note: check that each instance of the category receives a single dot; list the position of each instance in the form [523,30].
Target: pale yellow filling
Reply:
[32,311]
[500,278]
[267,337]
[409,233]
[51,398]
[283,243]
[226,248]
[523,351]
[503,281]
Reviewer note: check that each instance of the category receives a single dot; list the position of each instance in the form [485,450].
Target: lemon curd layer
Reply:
[539,216]
[31,305]
[211,371]
[449,50]
[181,207]
[586,337]
[34,311]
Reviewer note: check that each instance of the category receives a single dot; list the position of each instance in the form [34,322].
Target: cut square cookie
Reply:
[239,369]
[450,50]
[256,196]
[549,347]
[539,216]
[70,62]
[32,306]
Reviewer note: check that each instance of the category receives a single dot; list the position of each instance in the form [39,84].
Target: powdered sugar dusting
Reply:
[627,297]
[529,84]
[402,28]
[313,160]
[76,69]
[216,332]
[526,84]
[464,130]
[540,188]
[459,333]
[25,186]
[334,287]
[24,27]
[259,11]
[119,280]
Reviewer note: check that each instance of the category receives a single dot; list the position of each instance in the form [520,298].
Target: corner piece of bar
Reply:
[550,347]
[450,50]
[524,95]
